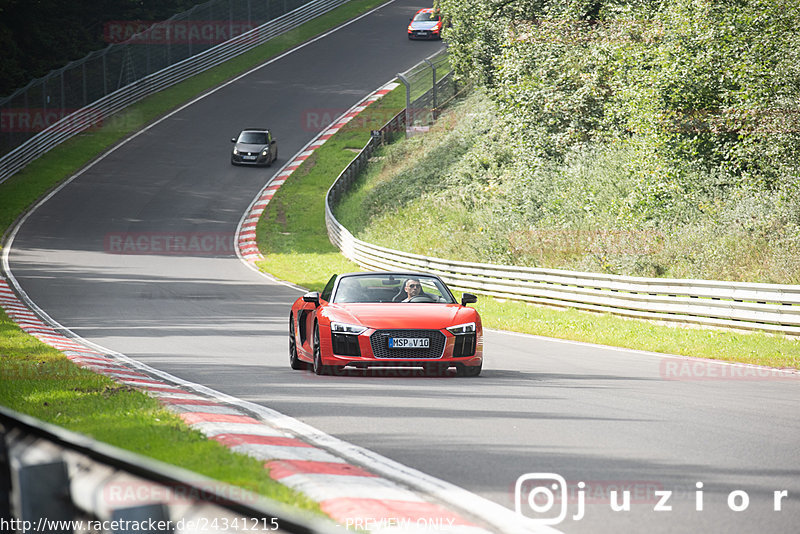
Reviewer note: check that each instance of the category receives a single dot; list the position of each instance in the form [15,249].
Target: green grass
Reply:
[38,380]
[755,348]
[293,238]
[291,233]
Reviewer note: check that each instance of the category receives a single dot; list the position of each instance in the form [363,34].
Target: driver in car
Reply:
[412,288]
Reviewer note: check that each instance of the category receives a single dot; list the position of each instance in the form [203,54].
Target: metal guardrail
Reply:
[751,306]
[56,481]
[106,106]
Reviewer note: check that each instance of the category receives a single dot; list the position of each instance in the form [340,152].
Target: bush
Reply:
[465,191]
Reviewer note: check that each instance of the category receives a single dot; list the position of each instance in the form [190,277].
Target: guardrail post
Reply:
[147,514]
[44,495]
[5,479]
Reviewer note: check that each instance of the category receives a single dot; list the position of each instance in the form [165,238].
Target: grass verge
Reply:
[291,233]
[293,239]
[38,380]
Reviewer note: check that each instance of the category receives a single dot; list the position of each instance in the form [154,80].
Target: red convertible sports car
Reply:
[385,319]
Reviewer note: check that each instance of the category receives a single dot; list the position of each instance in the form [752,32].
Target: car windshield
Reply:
[253,138]
[390,288]
[430,17]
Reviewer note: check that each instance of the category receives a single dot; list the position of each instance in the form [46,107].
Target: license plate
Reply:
[249,157]
[409,343]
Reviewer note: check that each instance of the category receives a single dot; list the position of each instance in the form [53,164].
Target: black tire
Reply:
[294,362]
[320,369]
[469,371]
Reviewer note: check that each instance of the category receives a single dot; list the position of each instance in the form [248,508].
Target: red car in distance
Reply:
[385,319]
[425,24]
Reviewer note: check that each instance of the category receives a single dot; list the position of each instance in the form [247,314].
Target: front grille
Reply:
[380,344]
[345,345]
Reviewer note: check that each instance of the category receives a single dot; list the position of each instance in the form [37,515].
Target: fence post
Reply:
[105,76]
[408,101]
[63,104]
[83,78]
[435,103]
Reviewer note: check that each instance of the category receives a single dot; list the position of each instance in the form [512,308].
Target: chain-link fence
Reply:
[136,50]
[429,87]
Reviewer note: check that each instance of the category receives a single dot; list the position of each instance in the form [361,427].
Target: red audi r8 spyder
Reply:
[394,319]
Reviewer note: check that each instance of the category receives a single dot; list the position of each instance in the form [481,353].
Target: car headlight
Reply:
[466,328]
[235,152]
[264,152]
[343,328]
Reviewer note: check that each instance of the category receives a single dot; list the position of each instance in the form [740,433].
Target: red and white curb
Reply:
[246,245]
[352,495]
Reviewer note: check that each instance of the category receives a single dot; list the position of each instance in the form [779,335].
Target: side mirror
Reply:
[468,298]
[312,297]
[233,139]
[272,142]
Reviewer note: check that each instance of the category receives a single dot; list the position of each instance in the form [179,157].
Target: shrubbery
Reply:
[641,138]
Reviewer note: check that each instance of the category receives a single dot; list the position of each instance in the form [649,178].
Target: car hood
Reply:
[423,25]
[248,147]
[401,315]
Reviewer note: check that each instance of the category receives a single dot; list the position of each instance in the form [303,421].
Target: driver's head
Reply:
[413,287]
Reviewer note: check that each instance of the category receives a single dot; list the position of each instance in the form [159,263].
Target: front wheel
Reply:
[294,362]
[319,369]
[467,370]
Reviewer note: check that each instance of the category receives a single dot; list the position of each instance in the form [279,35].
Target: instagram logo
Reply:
[536,495]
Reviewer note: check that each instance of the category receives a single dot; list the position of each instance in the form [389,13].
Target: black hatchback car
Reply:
[254,146]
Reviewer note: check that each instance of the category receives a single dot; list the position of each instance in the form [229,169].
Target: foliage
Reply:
[462,191]
[649,138]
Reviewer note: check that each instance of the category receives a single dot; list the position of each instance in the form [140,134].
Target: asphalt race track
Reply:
[609,418]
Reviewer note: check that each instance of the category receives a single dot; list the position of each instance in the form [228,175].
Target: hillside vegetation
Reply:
[640,138]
